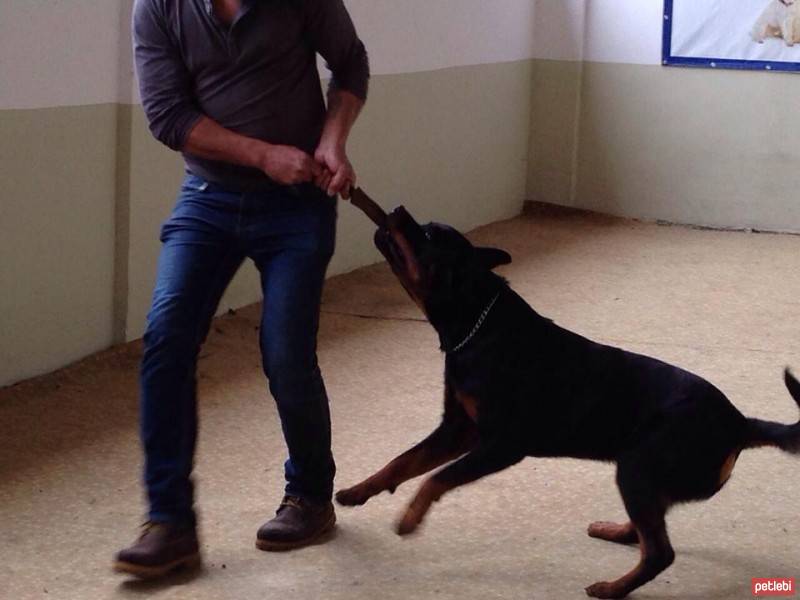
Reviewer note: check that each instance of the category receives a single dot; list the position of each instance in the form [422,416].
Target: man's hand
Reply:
[288,165]
[337,174]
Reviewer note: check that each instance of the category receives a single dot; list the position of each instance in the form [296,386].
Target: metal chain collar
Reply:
[475,329]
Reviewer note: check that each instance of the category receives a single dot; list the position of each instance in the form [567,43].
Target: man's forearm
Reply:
[208,139]
[286,165]
[338,174]
[343,110]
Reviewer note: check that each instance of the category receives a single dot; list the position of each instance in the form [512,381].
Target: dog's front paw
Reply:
[605,589]
[354,496]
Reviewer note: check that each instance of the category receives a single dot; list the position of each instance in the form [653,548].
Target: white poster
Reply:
[743,34]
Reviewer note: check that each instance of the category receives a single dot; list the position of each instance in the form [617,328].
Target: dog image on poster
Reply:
[780,19]
[755,34]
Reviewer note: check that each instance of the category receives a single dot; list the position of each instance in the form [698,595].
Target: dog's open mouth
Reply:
[387,247]
[395,243]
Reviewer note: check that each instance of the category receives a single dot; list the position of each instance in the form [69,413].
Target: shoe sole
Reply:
[153,572]
[279,546]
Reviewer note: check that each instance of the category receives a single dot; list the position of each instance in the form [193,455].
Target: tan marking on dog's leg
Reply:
[440,447]
[620,533]
[429,493]
[727,467]
[656,555]
[470,404]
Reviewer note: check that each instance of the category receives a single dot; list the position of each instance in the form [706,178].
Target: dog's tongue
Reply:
[376,214]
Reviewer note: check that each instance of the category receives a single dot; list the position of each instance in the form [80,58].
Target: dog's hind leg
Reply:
[759,31]
[620,533]
[646,508]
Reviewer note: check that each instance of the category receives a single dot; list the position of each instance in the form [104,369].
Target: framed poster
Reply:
[733,34]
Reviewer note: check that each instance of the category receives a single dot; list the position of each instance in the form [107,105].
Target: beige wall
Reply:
[56,236]
[692,146]
[555,105]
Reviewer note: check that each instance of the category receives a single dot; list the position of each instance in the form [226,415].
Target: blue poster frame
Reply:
[714,63]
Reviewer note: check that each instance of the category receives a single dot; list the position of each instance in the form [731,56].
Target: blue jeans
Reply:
[289,233]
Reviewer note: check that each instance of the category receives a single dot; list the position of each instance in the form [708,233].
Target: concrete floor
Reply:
[724,305]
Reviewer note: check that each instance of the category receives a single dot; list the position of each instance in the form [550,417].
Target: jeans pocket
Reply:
[191,188]
[193,183]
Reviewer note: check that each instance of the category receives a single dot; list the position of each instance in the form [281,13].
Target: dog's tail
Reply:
[768,433]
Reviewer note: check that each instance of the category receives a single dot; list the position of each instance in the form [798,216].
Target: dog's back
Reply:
[570,396]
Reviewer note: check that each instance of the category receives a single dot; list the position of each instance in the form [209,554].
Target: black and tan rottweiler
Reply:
[517,385]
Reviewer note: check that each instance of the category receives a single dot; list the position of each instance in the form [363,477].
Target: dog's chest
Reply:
[469,403]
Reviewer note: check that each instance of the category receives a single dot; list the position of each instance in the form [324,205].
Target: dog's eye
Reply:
[428,235]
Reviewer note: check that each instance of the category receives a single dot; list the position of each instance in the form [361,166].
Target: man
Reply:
[233,84]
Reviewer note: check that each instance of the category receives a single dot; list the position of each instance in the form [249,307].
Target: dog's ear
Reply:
[489,258]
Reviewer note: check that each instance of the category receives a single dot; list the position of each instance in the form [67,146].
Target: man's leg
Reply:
[193,272]
[292,260]
[196,264]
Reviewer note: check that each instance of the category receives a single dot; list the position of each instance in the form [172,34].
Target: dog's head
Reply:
[434,263]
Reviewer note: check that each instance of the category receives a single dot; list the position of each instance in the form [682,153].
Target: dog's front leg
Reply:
[485,459]
[760,30]
[451,439]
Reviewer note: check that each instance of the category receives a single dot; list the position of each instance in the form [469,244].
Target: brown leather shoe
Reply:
[298,522]
[160,549]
